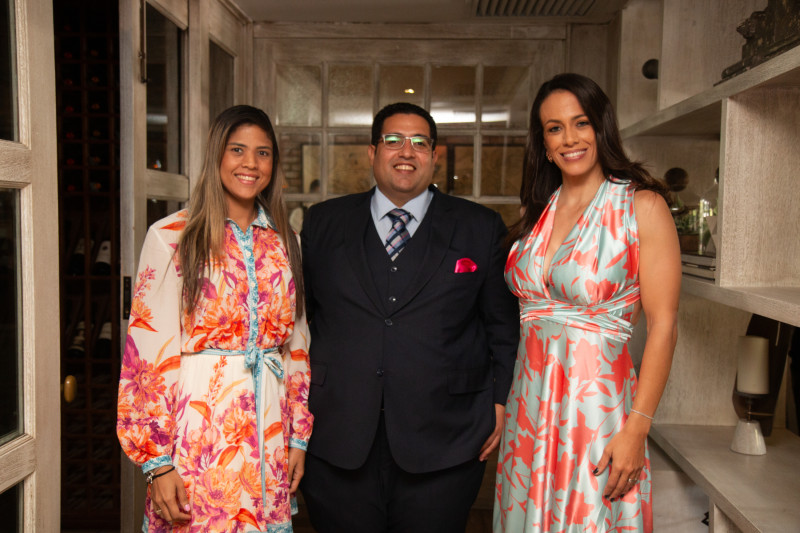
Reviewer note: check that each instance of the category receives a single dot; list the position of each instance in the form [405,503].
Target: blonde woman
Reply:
[213,396]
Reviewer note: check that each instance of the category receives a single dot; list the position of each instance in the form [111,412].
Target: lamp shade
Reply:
[752,365]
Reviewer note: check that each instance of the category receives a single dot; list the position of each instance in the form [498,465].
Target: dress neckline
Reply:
[551,213]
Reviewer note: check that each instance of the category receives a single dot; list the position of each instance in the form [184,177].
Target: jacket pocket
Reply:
[469,380]
[318,372]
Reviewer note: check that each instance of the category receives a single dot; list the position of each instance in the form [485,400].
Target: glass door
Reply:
[166,71]
[153,181]
[29,381]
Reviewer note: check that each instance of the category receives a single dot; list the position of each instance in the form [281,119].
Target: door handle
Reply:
[69,388]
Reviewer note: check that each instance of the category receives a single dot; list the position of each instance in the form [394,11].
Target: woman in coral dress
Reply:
[596,245]
[213,394]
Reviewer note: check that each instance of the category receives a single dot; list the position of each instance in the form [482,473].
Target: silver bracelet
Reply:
[641,413]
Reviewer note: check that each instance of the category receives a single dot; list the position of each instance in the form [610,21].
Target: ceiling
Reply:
[429,11]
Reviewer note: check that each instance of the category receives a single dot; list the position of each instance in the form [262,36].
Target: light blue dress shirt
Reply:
[380,205]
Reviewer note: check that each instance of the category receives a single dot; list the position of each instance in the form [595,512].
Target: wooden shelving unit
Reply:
[743,126]
[742,117]
[87,66]
[756,493]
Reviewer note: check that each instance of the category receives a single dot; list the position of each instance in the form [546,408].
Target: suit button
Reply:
[393,268]
[388,321]
[380,372]
[392,299]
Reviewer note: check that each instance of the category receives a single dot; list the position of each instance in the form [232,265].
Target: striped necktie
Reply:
[399,236]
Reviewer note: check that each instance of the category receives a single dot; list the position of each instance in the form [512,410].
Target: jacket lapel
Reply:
[442,226]
[359,221]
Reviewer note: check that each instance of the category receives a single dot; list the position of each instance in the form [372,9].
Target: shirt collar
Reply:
[416,206]
[262,220]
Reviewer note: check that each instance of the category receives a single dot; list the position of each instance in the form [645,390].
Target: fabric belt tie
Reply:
[255,359]
[597,318]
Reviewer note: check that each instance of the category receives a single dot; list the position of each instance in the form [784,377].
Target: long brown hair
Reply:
[540,178]
[202,241]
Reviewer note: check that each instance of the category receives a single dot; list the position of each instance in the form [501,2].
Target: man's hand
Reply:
[494,439]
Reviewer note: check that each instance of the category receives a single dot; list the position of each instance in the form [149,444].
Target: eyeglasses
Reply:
[419,143]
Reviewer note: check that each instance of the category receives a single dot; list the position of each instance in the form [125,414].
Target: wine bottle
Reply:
[76,348]
[76,262]
[102,264]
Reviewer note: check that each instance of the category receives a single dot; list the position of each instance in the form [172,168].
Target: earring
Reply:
[549,158]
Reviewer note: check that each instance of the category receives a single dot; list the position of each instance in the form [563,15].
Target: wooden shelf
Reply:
[700,115]
[757,493]
[778,303]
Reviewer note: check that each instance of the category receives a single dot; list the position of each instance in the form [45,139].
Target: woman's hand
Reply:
[624,455]
[297,467]
[168,496]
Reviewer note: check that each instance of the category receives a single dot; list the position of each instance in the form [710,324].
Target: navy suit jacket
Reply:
[438,363]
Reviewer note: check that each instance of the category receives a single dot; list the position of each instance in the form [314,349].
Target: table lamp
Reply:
[752,381]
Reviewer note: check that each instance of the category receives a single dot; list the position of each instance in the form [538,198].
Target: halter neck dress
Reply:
[574,381]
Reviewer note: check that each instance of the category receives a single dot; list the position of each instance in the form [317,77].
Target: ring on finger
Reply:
[158,512]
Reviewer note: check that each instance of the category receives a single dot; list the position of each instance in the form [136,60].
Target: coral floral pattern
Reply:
[197,411]
[574,380]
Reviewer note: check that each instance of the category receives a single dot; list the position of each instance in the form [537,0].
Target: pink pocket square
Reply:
[465,264]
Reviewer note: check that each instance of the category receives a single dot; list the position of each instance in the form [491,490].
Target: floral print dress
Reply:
[222,393]
[574,381]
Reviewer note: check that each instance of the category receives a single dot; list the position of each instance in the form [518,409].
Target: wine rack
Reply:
[87,78]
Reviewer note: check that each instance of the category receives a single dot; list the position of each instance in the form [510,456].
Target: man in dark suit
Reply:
[413,340]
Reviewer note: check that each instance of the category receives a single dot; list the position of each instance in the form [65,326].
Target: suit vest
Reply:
[392,278]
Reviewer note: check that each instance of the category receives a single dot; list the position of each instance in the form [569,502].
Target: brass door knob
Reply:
[69,388]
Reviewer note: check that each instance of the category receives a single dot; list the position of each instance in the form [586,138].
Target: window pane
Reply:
[8,72]
[509,212]
[163,93]
[11,509]
[158,209]
[297,210]
[299,96]
[350,95]
[453,96]
[10,318]
[401,84]
[300,161]
[501,165]
[455,165]
[220,77]
[348,164]
[505,97]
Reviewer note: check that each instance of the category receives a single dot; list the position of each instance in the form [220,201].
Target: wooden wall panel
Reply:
[760,183]
[588,51]
[699,41]
[640,40]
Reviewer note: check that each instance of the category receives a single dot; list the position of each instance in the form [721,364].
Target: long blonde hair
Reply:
[202,240]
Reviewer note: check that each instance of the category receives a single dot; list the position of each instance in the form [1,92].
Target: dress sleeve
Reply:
[151,359]
[298,375]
